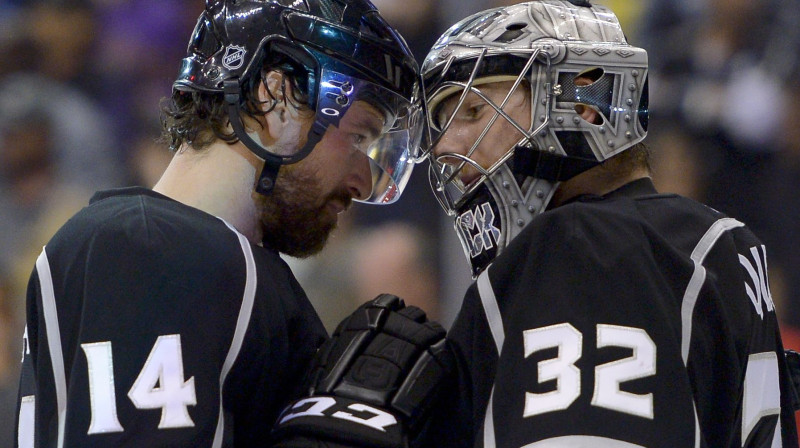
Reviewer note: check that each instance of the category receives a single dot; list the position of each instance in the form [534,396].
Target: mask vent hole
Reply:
[513,32]
[589,76]
[592,95]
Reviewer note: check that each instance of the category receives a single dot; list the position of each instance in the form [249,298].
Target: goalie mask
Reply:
[348,53]
[563,57]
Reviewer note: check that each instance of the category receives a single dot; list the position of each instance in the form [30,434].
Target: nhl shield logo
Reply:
[233,57]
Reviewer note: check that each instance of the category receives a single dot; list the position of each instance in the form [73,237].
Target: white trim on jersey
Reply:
[488,424]
[698,255]
[242,322]
[495,321]
[492,310]
[699,277]
[27,418]
[53,340]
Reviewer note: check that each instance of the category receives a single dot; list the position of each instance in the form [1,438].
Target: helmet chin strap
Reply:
[497,212]
[272,162]
[545,165]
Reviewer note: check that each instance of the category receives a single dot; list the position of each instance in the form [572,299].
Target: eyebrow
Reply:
[375,111]
[370,119]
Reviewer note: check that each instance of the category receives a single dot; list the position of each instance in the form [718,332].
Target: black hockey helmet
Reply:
[349,53]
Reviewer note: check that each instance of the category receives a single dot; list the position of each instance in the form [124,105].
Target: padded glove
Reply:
[371,383]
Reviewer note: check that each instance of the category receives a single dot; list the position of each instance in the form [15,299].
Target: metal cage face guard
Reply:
[445,167]
[524,42]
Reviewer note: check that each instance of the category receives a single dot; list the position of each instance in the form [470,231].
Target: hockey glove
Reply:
[372,382]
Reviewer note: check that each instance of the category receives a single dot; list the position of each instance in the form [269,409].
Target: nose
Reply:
[359,180]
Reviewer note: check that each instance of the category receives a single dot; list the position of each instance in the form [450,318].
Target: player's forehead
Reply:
[366,110]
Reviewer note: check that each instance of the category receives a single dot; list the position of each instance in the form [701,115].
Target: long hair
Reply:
[200,118]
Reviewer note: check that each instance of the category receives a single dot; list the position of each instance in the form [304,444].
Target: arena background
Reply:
[80,83]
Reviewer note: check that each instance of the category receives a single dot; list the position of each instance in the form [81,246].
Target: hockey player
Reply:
[166,317]
[604,314]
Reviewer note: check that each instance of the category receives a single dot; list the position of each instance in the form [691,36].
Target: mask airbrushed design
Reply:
[566,56]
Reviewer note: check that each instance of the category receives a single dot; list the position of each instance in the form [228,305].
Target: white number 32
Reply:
[160,384]
[608,377]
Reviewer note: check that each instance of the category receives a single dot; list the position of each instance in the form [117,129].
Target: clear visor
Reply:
[376,121]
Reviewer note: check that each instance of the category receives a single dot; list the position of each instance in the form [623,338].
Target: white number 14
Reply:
[160,384]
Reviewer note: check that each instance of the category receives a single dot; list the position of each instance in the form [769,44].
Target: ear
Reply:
[588,114]
[271,98]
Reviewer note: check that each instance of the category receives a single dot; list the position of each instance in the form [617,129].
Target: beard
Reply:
[295,219]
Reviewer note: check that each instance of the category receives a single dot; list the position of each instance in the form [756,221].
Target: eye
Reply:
[473,111]
[358,139]
[362,142]
[440,119]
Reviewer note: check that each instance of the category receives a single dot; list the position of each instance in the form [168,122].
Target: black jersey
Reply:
[631,320]
[154,324]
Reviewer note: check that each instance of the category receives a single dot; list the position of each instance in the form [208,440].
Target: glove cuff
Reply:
[342,420]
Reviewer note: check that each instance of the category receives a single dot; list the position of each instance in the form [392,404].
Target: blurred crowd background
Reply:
[81,80]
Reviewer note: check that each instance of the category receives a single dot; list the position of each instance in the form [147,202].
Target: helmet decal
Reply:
[495,212]
[477,229]
[233,57]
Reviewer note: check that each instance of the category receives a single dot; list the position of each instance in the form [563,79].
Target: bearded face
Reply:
[296,217]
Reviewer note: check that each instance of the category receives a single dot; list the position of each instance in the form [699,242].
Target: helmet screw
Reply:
[551,148]
[611,143]
[602,130]
[542,118]
[544,101]
[266,183]
[543,134]
[520,222]
[531,208]
[635,73]
[627,118]
[576,119]
[506,185]
[628,134]
[632,87]
[213,73]
[539,194]
[560,120]
[629,102]
[514,203]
